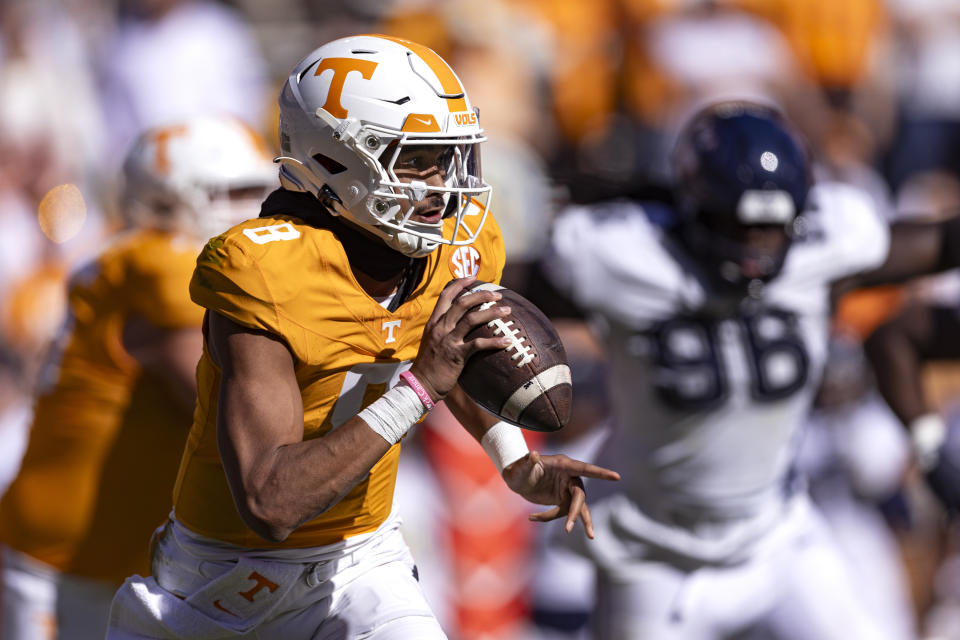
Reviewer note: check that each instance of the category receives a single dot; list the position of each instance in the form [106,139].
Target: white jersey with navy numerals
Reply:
[707,405]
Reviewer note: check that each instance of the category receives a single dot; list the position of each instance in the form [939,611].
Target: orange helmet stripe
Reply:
[420,123]
[448,79]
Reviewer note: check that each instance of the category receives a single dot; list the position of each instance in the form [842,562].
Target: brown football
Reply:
[527,383]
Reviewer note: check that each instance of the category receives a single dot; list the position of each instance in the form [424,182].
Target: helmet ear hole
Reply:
[332,166]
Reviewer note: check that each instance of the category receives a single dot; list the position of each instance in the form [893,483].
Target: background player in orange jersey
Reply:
[111,422]
[283,523]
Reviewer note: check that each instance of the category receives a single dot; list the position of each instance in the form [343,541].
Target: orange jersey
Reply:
[100,465]
[282,275]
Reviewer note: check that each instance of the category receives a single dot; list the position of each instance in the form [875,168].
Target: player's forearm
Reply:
[475,420]
[503,443]
[916,249]
[293,483]
[281,481]
[897,367]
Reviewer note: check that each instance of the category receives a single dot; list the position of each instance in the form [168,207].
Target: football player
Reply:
[111,422]
[898,350]
[333,325]
[714,310]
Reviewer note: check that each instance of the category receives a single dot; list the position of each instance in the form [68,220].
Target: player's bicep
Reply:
[260,408]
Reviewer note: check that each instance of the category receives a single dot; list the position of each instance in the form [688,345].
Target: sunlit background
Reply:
[580,100]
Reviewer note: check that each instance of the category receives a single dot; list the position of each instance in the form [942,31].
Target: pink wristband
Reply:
[414,384]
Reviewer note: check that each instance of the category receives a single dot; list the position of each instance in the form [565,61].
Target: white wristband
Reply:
[505,444]
[392,414]
[927,434]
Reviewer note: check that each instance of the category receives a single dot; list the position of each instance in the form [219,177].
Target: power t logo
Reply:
[341,68]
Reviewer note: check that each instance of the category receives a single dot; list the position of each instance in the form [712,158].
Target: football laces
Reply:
[500,327]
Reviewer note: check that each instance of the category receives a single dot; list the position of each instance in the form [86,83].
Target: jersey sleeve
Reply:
[229,280]
[846,235]
[157,284]
[613,260]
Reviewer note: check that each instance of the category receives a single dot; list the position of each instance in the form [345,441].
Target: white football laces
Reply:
[502,327]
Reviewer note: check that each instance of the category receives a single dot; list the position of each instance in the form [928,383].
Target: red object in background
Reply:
[486,530]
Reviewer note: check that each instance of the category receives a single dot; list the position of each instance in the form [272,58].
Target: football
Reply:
[528,382]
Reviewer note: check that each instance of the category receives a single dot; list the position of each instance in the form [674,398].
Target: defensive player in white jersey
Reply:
[714,312]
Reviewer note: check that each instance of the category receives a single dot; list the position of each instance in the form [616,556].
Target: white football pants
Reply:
[37,602]
[794,586]
[206,590]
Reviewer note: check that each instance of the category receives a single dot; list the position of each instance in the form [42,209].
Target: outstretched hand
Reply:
[556,480]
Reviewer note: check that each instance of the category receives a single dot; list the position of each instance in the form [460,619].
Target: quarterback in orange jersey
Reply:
[112,419]
[333,325]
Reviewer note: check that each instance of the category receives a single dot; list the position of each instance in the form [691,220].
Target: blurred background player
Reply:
[922,333]
[112,416]
[15,414]
[853,456]
[714,313]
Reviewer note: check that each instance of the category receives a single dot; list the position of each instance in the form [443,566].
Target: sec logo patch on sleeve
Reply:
[464,262]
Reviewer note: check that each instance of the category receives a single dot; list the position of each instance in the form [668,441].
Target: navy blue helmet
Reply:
[741,178]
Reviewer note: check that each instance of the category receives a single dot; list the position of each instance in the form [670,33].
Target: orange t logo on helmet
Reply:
[160,139]
[341,69]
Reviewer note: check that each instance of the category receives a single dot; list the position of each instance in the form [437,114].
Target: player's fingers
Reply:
[545,516]
[600,473]
[586,469]
[483,302]
[479,316]
[587,520]
[478,300]
[481,344]
[447,297]
[578,498]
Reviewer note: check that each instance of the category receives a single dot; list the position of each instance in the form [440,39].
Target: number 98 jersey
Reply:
[707,401]
[284,276]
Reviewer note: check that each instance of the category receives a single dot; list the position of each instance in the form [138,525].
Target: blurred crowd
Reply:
[580,101]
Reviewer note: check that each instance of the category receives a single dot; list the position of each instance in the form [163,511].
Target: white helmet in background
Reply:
[200,176]
[351,107]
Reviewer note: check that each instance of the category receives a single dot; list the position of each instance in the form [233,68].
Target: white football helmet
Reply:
[351,107]
[199,176]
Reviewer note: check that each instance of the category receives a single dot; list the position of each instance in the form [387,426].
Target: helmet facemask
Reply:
[745,250]
[391,198]
[436,182]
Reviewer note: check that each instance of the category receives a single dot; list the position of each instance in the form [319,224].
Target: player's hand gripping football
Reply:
[443,350]
[556,480]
